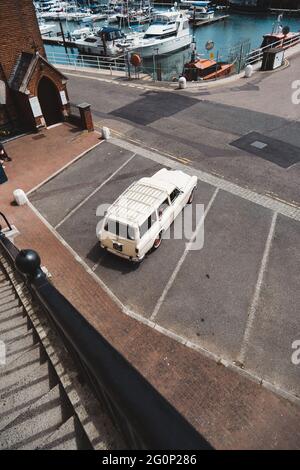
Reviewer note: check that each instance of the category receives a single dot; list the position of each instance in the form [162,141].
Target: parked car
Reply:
[135,222]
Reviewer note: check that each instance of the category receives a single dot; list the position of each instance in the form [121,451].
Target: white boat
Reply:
[168,32]
[114,18]
[46,28]
[81,33]
[200,13]
[104,43]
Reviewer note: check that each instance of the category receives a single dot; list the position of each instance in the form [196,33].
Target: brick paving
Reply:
[228,409]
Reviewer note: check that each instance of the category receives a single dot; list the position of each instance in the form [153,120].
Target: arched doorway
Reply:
[50,102]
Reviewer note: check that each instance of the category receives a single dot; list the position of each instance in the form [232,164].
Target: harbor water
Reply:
[228,36]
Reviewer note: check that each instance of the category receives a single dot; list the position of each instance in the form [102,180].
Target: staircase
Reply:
[35,411]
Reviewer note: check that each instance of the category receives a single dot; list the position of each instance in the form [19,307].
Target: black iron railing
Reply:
[145,419]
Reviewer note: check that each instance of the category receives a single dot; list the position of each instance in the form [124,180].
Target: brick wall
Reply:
[19,32]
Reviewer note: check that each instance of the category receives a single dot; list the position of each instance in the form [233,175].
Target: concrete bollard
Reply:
[248,71]
[182,83]
[11,234]
[105,133]
[20,197]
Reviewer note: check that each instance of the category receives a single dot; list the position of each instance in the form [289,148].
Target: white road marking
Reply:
[274,204]
[181,260]
[180,339]
[64,167]
[253,307]
[93,193]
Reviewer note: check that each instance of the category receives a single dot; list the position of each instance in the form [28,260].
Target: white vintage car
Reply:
[134,224]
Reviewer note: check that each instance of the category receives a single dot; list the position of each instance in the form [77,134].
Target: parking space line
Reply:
[169,333]
[285,208]
[93,193]
[181,260]
[254,304]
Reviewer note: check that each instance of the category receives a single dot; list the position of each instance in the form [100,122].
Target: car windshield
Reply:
[120,229]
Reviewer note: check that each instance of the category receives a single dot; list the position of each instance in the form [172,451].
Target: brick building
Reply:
[32,92]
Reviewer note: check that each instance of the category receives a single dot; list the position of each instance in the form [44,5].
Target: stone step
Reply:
[20,345]
[6,287]
[13,327]
[4,283]
[12,313]
[12,373]
[7,296]
[20,395]
[8,305]
[32,428]
[70,436]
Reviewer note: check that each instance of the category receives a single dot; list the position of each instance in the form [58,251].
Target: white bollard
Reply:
[182,83]
[248,71]
[105,133]
[20,197]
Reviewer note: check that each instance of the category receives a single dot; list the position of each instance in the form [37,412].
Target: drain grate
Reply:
[276,151]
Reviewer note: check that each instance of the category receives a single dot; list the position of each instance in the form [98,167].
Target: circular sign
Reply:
[209,45]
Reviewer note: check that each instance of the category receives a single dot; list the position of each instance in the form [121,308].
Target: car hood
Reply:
[176,177]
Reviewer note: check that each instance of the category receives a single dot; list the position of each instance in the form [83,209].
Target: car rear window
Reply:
[120,229]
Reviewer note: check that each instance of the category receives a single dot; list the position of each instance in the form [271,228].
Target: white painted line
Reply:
[181,260]
[181,339]
[76,256]
[64,167]
[285,208]
[54,125]
[254,304]
[93,193]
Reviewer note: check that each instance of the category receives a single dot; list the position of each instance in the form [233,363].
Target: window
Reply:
[147,224]
[119,229]
[174,195]
[163,207]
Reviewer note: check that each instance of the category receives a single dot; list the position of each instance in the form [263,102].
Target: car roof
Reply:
[139,201]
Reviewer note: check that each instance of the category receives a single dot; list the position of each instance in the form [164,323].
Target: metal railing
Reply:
[80,61]
[145,419]
[257,54]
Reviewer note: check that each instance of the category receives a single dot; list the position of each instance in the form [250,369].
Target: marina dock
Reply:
[207,22]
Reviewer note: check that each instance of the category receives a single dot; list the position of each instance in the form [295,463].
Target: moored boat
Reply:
[206,69]
[105,42]
[281,36]
[168,32]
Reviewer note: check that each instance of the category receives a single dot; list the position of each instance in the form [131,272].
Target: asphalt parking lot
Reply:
[238,297]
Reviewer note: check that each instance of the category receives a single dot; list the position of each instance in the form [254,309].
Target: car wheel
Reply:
[157,242]
[190,200]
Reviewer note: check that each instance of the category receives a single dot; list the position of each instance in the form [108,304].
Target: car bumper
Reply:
[134,259]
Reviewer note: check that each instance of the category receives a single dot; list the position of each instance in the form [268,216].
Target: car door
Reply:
[177,199]
[165,214]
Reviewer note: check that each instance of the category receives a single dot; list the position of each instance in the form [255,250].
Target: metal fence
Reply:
[167,67]
[79,61]
[257,54]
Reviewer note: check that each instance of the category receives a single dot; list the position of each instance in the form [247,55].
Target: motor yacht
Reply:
[168,32]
